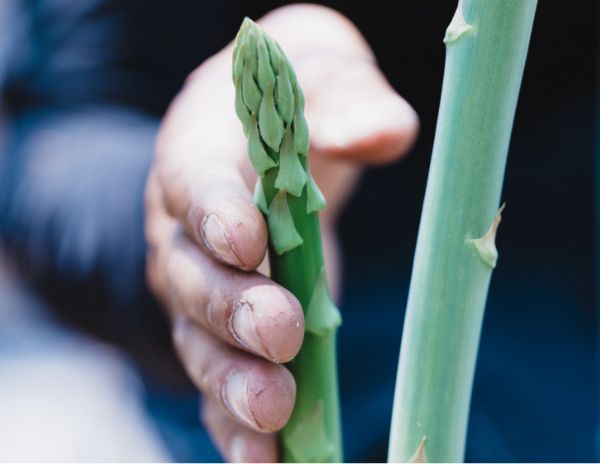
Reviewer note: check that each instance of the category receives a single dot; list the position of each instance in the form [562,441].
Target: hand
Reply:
[232,326]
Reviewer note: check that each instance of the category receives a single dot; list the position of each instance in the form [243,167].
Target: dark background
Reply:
[535,388]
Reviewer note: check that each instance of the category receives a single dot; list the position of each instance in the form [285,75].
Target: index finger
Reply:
[201,151]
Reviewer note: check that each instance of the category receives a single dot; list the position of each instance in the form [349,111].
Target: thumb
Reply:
[354,113]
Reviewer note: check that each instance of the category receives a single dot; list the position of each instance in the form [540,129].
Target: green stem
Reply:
[313,433]
[487,43]
[270,105]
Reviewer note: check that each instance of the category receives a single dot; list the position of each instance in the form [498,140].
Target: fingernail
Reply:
[235,397]
[244,330]
[215,239]
[238,449]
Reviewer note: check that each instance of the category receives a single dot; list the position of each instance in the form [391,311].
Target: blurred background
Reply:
[86,369]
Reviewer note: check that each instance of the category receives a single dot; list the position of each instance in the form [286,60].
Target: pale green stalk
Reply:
[270,105]
[487,43]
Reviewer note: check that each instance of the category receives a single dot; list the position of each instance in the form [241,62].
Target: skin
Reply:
[232,326]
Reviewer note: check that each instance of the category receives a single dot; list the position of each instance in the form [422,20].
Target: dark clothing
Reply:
[84,85]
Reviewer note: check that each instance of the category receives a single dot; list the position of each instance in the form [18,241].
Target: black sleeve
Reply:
[71,213]
[84,84]
[83,87]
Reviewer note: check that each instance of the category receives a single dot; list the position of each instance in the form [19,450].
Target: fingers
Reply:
[351,109]
[329,31]
[216,209]
[200,151]
[354,113]
[247,310]
[236,442]
[258,394]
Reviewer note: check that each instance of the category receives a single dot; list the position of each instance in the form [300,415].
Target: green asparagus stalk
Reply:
[486,46]
[270,105]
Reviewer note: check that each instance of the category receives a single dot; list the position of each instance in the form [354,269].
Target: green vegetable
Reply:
[270,105]
[487,43]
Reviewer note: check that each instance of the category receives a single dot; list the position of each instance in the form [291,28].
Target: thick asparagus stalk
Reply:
[487,43]
[270,105]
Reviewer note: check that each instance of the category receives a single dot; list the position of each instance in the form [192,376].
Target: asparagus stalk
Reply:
[270,105]
[486,46]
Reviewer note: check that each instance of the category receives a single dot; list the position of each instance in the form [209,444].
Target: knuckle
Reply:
[179,335]
[206,413]
[155,283]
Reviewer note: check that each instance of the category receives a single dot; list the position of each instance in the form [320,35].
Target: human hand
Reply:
[232,326]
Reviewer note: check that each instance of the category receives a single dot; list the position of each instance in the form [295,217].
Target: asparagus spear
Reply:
[487,43]
[270,105]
